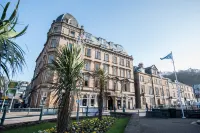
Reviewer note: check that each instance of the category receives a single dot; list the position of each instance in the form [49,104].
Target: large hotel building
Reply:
[98,53]
[126,86]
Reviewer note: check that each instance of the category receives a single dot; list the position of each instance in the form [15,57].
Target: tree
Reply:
[66,66]
[102,78]
[11,54]
[190,76]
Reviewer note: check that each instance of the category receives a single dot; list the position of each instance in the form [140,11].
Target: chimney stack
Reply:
[141,65]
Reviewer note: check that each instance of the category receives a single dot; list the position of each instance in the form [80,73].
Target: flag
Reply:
[169,56]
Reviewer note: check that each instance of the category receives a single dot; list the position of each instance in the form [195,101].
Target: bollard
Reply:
[138,113]
[3,116]
[87,111]
[114,109]
[28,111]
[41,113]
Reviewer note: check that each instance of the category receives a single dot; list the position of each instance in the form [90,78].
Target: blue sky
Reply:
[148,29]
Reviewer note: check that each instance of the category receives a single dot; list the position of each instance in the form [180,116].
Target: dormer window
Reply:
[154,72]
[100,40]
[88,36]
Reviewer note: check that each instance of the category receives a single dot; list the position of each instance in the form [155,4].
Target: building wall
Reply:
[144,82]
[63,36]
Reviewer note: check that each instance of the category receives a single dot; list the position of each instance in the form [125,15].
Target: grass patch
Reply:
[119,126]
[31,129]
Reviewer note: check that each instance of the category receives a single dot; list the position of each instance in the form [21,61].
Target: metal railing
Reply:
[8,114]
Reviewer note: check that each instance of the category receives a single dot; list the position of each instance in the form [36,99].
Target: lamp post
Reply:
[78,96]
[3,101]
[5,83]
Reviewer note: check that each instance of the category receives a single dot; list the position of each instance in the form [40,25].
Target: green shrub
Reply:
[93,125]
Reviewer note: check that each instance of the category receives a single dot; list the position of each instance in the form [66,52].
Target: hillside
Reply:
[189,77]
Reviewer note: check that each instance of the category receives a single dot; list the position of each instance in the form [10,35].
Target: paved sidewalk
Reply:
[133,124]
[158,125]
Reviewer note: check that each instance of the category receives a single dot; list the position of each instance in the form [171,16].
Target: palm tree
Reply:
[102,78]
[67,67]
[11,54]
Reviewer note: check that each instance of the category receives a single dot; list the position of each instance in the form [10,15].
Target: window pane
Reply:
[106,68]
[97,66]
[53,43]
[87,65]
[106,56]
[84,102]
[92,102]
[88,52]
[98,55]
[51,58]
[115,59]
[55,29]
[72,33]
[86,81]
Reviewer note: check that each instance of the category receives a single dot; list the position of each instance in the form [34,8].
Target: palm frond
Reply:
[3,16]
[11,54]
[13,15]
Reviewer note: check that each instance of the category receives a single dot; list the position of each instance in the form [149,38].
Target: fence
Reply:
[37,114]
[173,113]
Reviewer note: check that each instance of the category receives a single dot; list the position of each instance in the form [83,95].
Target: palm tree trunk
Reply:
[63,117]
[100,106]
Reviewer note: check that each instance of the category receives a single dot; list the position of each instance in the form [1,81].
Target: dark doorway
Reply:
[110,103]
[158,101]
[129,105]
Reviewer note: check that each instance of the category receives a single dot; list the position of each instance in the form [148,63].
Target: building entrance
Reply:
[110,103]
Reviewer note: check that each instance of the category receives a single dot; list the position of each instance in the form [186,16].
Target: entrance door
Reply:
[110,103]
[129,105]
[158,101]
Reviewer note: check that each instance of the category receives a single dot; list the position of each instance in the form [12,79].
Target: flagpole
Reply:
[179,96]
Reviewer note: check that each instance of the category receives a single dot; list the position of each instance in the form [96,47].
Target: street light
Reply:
[78,100]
